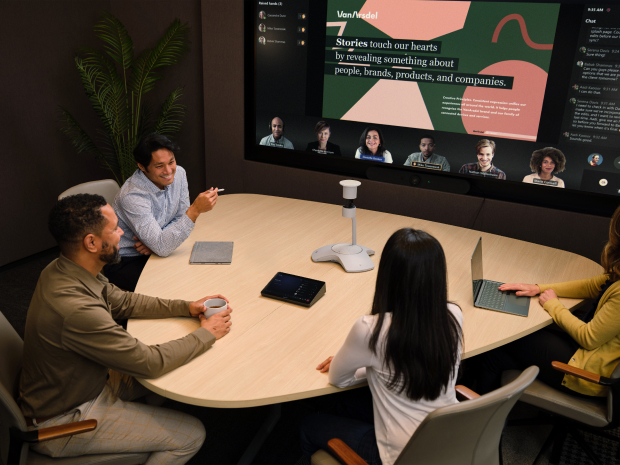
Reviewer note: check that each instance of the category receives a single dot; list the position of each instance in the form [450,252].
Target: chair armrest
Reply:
[54,432]
[583,374]
[344,453]
[463,392]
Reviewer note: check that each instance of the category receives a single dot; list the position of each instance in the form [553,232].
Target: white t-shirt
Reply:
[534,178]
[396,416]
[386,158]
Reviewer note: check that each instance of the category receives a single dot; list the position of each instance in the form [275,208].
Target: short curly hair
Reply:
[73,217]
[539,155]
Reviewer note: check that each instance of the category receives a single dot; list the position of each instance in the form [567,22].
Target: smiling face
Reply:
[595,159]
[323,137]
[427,147]
[373,141]
[161,169]
[485,158]
[547,167]
[277,127]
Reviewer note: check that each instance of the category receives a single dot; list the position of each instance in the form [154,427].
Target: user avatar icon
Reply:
[595,159]
[262,40]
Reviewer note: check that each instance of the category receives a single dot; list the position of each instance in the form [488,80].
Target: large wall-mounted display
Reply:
[501,99]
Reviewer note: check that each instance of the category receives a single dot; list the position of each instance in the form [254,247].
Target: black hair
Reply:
[320,126]
[74,217]
[143,153]
[427,136]
[423,341]
[539,155]
[364,150]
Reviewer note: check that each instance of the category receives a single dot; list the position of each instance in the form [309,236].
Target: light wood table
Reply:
[272,351]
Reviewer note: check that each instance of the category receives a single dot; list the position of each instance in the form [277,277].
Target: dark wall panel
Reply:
[39,40]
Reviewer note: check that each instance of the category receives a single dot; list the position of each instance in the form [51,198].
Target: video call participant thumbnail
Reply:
[80,365]
[153,209]
[322,144]
[545,163]
[426,157]
[276,139]
[485,151]
[372,146]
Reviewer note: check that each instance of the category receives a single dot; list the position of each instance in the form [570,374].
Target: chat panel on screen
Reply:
[466,67]
[592,115]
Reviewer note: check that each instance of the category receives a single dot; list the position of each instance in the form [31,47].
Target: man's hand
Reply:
[547,295]
[197,308]
[529,290]
[140,247]
[204,202]
[324,367]
[219,324]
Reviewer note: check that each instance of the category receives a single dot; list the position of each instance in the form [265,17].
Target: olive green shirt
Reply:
[71,339]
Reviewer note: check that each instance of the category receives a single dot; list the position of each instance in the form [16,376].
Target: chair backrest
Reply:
[108,188]
[613,399]
[468,432]
[11,350]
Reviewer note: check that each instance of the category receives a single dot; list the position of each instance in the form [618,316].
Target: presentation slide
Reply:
[465,67]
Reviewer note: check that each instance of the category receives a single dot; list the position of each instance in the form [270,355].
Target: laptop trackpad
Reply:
[517,305]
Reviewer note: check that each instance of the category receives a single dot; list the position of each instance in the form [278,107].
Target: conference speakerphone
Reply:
[294,289]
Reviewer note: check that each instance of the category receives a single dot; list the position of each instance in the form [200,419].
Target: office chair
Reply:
[13,429]
[106,188]
[570,413]
[467,433]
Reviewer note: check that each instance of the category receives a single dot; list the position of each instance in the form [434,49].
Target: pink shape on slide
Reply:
[526,36]
[414,19]
[528,88]
[398,103]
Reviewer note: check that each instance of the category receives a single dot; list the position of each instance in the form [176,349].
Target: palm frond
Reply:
[84,144]
[171,114]
[168,51]
[117,42]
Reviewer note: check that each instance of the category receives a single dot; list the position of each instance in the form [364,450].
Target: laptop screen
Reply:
[476,267]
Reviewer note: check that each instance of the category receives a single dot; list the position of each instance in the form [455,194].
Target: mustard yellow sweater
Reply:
[599,339]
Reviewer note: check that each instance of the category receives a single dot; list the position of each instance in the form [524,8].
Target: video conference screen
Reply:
[510,92]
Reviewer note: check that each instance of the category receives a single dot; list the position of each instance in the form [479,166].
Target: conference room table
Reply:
[270,355]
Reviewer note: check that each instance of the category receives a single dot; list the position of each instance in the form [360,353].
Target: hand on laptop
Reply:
[529,290]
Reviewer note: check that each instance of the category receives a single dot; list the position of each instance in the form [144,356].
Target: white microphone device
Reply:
[354,258]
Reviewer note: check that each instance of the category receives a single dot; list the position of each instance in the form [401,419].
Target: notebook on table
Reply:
[486,292]
[211,253]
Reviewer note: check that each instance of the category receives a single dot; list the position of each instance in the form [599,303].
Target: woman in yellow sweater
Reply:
[591,342]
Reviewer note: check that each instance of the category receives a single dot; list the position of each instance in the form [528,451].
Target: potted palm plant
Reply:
[116,81]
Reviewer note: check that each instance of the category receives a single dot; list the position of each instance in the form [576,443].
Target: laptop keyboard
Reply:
[490,296]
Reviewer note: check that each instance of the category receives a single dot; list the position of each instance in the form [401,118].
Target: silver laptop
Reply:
[486,293]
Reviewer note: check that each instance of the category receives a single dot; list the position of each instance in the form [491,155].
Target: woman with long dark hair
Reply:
[590,342]
[372,146]
[409,346]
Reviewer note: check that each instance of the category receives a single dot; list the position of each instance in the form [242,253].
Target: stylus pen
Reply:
[219,190]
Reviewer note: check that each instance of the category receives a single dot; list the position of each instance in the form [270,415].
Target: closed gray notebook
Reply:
[215,253]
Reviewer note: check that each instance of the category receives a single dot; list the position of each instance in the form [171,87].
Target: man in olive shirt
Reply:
[79,364]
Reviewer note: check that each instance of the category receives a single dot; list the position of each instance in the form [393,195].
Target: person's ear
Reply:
[90,243]
[142,168]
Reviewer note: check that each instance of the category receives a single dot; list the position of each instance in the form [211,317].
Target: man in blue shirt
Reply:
[153,209]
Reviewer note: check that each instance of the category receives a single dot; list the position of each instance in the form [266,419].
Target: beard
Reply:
[109,257]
